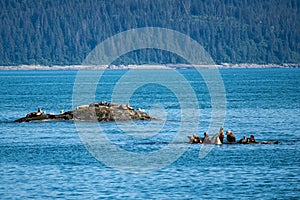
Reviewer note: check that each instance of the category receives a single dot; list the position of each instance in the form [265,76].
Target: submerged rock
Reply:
[101,112]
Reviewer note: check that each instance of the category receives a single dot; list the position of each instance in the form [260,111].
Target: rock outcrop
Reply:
[101,112]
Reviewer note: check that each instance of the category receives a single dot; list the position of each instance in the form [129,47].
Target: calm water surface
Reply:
[48,159]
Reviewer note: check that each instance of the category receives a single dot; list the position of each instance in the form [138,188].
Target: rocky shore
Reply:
[101,112]
[166,66]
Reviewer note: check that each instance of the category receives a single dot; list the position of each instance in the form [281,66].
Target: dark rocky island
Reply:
[98,112]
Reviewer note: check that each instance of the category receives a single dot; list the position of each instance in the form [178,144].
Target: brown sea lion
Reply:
[244,140]
[230,136]
[251,139]
[221,135]
[206,139]
[195,139]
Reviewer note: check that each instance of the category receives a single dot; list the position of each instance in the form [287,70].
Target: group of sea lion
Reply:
[218,138]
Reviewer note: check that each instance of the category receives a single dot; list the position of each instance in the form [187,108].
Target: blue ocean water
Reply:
[49,160]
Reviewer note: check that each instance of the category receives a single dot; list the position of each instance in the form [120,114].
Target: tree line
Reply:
[59,32]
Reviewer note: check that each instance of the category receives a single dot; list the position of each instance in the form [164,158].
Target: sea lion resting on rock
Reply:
[221,136]
[206,139]
[246,140]
[35,114]
[251,139]
[216,139]
[82,107]
[230,136]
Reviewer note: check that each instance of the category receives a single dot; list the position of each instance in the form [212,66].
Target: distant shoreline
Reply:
[166,66]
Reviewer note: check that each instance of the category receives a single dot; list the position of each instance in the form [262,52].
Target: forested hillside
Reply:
[61,32]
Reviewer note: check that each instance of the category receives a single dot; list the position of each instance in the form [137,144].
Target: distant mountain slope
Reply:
[59,32]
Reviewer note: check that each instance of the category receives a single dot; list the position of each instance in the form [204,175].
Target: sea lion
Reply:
[216,139]
[39,112]
[103,103]
[111,104]
[206,139]
[191,139]
[94,105]
[194,139]
[251,139]
[129,107]
[123,106]
[230,136]
[244,140]
[82,107]
[221,135]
